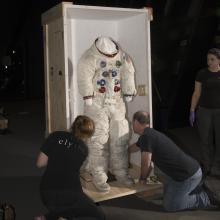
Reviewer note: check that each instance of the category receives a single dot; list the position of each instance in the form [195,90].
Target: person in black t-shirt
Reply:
[206,96]
[182,174]
[63,153]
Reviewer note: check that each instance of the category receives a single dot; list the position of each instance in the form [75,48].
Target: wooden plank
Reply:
[151,193]
[55,80]
[55,12]
[46,79]
[118,189]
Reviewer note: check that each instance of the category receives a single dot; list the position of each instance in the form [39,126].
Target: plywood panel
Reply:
[119,190]
[56,77]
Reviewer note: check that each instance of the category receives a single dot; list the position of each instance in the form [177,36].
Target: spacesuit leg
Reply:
[98,146]
[119,136]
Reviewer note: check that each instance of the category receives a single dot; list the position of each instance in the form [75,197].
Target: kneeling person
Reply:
[63,153]
[182,174]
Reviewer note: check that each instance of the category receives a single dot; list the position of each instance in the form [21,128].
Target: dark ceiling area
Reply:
[181,34]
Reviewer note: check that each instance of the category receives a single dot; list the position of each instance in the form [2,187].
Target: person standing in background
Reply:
[205,108]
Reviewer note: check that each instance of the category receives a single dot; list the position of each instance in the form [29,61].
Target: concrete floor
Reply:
[19,178]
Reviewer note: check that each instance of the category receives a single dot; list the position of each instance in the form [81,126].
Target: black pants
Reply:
[70,205]
[208,121]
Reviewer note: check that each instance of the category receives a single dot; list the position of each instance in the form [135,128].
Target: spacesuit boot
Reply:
[102,187]
[125,180]
[99,180]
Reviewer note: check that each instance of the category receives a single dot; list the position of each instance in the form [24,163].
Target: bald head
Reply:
[141,120]
[142,117]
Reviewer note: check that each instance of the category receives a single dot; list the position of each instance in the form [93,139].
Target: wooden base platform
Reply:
[119,190]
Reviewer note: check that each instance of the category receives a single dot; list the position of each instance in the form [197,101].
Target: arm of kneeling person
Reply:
[146,166]
[42,160]
[133,148]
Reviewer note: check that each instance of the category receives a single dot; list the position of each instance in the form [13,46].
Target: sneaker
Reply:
[213,197]
[126,180]
[102,187]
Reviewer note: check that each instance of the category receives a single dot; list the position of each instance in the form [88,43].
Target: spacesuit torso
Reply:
[108,77]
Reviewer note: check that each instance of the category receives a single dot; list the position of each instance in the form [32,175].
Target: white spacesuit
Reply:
[105,79]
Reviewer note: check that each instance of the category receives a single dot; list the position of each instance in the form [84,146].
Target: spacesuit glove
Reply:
[192,118]
[128,98]
[88,101]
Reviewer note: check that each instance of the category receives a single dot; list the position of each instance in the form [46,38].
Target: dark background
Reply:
[181,34]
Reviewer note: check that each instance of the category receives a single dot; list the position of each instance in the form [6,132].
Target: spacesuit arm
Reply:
[85,74]
[127,77]
[128,98]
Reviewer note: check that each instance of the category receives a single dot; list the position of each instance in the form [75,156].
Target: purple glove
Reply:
[192,118]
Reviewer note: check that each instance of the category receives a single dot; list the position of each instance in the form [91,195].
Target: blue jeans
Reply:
[177,194]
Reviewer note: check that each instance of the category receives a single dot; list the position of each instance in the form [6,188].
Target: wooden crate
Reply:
[68,31]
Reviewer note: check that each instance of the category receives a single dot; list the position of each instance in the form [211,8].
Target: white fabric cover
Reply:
[106,45]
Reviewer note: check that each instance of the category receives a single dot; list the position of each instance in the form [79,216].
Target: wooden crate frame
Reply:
[69,30]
